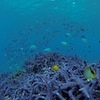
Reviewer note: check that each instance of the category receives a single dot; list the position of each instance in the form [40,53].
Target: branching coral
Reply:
[67,83]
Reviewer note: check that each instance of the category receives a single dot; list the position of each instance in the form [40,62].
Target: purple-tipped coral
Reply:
[39,82]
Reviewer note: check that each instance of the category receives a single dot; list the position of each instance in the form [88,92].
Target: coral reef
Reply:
[39,82]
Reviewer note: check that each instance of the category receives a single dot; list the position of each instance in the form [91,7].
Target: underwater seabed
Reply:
[52,76]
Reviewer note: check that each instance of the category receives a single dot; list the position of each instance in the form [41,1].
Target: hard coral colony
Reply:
[39,82]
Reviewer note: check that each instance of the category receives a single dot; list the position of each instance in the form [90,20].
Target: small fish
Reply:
[55,68]
[84,40]
[64,43]
[68,34]
[47,50]
[21,49]
[33,47]
[89,73]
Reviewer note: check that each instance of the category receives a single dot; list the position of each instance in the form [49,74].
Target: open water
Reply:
[29,27]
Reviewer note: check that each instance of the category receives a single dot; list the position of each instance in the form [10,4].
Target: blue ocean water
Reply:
[29,27]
